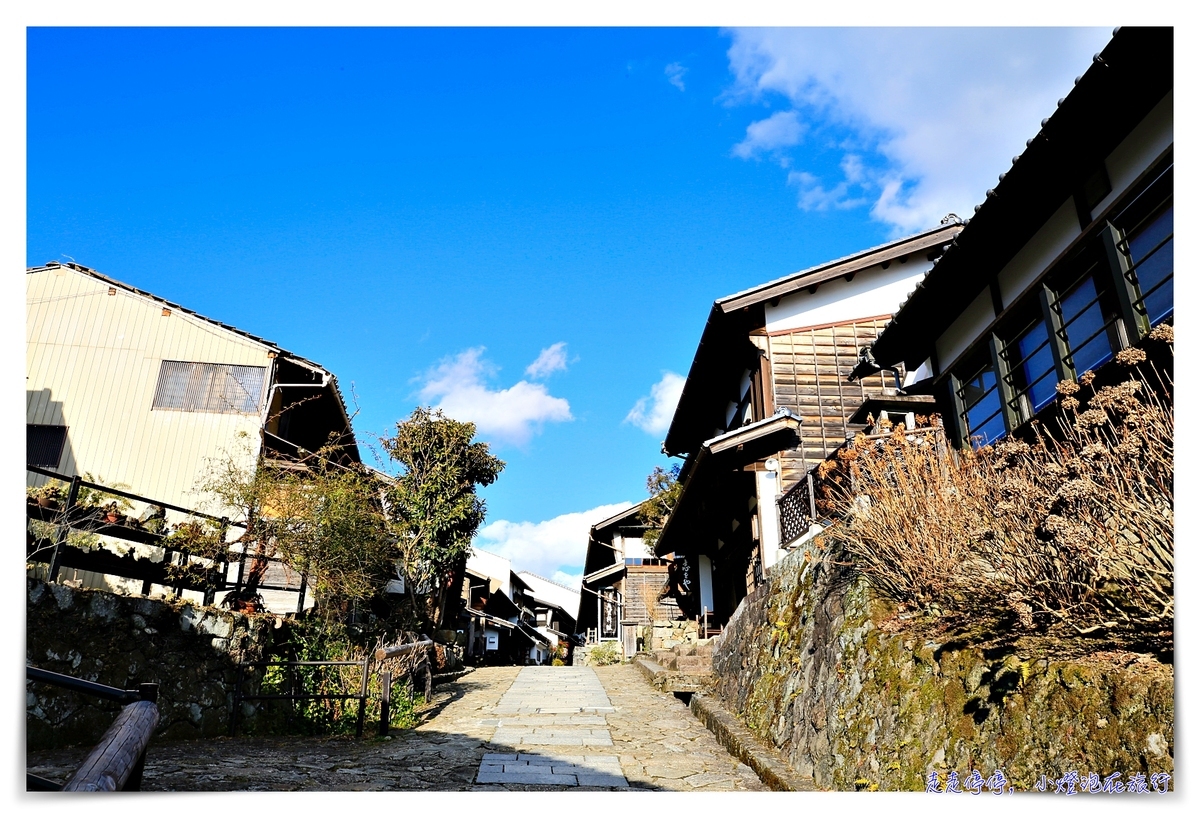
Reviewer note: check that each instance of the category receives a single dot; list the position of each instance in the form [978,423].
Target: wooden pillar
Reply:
[385,702]
[1137,323]
[64,529]
[1004,387]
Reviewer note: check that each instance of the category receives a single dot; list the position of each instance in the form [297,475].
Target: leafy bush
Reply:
[605,653]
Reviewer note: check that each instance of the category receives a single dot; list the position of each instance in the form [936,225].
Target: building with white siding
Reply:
[133,389]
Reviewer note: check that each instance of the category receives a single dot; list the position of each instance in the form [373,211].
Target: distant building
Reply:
[622,582]
[514,617]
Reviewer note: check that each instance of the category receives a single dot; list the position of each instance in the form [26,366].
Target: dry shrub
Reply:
[1075,528]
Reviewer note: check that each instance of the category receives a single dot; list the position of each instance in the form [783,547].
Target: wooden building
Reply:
[622,583]
[1067,261]
[767,398]
[511,617]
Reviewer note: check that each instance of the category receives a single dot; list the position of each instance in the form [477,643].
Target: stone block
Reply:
[601,780]
[515,778]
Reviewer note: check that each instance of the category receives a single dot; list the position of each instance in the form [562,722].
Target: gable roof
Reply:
[928,241]
[725,350]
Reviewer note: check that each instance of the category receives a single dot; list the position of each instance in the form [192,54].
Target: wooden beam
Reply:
[113,762]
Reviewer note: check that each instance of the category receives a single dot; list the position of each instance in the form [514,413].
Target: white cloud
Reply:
[814,196]
[457,387]
[553,548]
[652,413]
[941,111]
[550,360]
[675,73]
[781,129]
[570,580]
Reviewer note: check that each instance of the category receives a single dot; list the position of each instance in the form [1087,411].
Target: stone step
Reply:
[693,664]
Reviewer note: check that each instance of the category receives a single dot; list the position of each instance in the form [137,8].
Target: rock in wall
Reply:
[806,667]
[191,652]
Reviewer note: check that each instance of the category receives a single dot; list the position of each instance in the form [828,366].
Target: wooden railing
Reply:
[208,579]
[297,693]
[117,761]
[385,677]
[797,510]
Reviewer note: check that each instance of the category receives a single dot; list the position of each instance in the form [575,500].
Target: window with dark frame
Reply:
[220,388]
[1148,226]
[979,399]
[44,444]
[1103,299]
[1090,321]
[1031,370]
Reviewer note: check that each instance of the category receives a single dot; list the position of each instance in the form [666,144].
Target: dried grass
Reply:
[1074,530]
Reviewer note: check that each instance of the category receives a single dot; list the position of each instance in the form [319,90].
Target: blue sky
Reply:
[524,226]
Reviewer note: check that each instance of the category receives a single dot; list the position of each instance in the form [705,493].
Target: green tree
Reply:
[322,519]
[433,507]
[664,488]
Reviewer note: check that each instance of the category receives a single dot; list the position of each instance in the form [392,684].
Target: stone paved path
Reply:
[560,712]
[619,733]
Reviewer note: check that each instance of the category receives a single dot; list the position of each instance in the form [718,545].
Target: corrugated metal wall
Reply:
[92,361]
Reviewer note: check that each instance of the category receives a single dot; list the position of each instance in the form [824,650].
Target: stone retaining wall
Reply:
[190,651]
[666,635]
[805,665]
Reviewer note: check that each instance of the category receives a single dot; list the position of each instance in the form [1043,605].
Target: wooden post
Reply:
[362,698]
[303,591]
[237,588]
[64,529]
[210,592]
[385,702]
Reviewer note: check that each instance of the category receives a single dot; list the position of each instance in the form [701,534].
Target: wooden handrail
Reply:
[145,692]
[130,496]
[401,650]
[116,762]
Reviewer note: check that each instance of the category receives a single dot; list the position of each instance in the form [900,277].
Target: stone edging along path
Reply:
[771,769]
[742,744]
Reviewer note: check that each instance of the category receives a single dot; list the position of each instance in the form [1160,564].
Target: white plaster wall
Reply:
[1151,137]
[634,547]
[1031,260]
[874,291]
[492,566]
[965,329]
[767,485]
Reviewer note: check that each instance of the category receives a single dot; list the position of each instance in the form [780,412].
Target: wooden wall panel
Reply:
[809,370]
